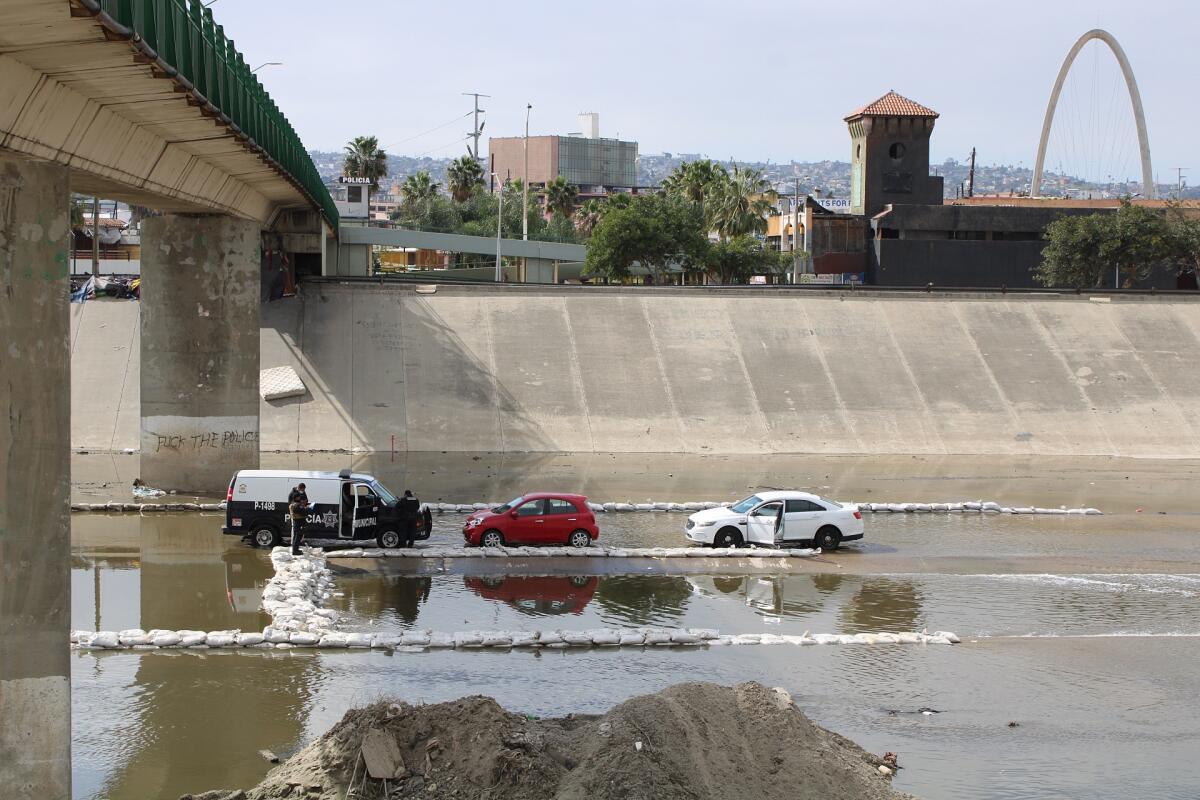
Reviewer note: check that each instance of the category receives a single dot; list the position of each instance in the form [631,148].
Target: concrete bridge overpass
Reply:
[542,260]
[146,101]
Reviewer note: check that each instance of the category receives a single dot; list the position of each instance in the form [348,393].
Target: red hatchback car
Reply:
[540,518]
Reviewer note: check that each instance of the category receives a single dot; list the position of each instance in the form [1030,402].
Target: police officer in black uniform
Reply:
[410,509]
[297,507]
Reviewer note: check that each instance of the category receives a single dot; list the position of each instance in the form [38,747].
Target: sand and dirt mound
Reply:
[695,740]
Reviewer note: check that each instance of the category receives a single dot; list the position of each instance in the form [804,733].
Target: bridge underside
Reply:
[73,94]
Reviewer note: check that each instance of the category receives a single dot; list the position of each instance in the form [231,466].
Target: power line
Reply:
[426,133]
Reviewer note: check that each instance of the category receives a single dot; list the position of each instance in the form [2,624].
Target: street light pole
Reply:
[499,221]
[267,64]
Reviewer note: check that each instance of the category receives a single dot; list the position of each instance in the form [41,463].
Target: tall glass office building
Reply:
[597,162]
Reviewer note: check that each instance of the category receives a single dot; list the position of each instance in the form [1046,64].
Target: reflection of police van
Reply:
[344,505]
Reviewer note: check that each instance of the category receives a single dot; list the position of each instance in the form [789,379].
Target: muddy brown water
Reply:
[1083,631]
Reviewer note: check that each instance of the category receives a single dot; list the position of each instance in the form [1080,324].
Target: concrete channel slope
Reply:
[562,369]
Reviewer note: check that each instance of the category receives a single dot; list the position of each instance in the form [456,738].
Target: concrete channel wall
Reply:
[691,371]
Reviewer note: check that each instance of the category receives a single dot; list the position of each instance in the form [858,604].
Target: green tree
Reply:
[588,215]
[560,197]
[561,229]
[739,205]
[656,232]
[1090,250]
[735,260]
[464,176]
[364,159]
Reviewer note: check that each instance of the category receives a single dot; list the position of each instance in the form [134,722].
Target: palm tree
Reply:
[560,197]
[740,204]
[695,180]
[589,215]
[364,159]
[463,175]
[417,194]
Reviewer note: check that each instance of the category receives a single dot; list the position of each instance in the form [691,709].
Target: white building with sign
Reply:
[352,196]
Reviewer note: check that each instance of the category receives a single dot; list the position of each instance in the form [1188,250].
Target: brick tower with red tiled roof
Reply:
[889,161]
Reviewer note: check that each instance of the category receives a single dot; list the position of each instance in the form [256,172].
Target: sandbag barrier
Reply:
[964,507]
[577,552]
[426,640]
[302,583]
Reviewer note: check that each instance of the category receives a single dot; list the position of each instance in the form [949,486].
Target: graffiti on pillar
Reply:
[209,439]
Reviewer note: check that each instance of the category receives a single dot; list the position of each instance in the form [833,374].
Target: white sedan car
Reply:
[777,519]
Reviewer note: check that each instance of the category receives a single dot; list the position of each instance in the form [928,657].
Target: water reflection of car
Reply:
[784,595]
[534,519]
[537,594]
[777,519]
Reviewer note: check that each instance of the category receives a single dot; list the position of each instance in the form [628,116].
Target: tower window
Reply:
[896,151]
[858,152]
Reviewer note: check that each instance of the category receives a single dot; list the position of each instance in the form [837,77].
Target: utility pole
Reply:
[95,236]
[525,179]
[499,222]
[1179,181]
[476,130]
[796,233]
[971,176]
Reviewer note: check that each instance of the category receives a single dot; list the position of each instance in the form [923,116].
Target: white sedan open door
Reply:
[764,524]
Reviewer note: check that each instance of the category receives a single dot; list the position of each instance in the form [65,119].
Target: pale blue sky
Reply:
[748,80]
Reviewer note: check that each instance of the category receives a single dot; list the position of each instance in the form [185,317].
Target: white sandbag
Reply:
[441,640]
[550,637]
[333,639]
[132,636]
[661,506]
[1023,510]
[464,508]
[771,638]
[357,639]
[747,638]
[610,507]
[693,506]
[249,639]
[1092,511]
[644,506]
[908,637]
[973,505]
[497,639]
[632,639]
[304,638]
[597,508]
[865,638]
[605,637]
[705,634]
[415,638]
[193,639]
[710,504]
[468,639]
[109,640]
[577,638]
[386,641]
[480,506]
[990,506]
[524,638]
[658,637]
[886,638]
[684,637]
[221,638]
[825,638]
[948,636]
[166,639]
[624,507]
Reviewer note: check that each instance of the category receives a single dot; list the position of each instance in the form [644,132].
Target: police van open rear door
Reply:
[366,512]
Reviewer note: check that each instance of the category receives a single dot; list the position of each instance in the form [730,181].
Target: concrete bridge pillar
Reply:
[199,350]
[35,481]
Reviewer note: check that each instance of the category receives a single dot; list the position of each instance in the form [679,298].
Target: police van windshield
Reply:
[384,494]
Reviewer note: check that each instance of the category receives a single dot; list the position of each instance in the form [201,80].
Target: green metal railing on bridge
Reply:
[190,46]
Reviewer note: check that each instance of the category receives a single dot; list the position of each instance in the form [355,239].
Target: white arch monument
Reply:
[1135,98]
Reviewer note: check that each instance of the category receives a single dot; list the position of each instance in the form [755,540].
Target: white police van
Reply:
[344,505]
